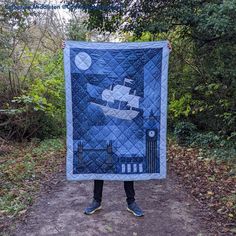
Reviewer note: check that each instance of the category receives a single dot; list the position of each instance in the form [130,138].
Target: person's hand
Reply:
[63,44]
[169,46]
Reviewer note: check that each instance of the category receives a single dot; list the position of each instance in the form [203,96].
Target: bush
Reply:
[38,109]
[211,145]
[221,153]
[183,132]
[51,127]
[209,139]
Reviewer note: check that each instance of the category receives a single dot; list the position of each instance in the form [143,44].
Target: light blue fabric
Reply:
[116,107]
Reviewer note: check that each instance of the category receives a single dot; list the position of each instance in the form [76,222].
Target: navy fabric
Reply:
[116,110]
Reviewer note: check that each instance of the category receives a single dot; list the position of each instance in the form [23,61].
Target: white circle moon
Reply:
[83,61]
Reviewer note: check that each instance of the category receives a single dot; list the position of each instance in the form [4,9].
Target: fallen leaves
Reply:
[108,228]
[210,193]
[207,180]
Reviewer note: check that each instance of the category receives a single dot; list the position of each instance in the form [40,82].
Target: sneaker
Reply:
[93,207]
[134,208]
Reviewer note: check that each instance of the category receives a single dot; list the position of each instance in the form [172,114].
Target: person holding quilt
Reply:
[95,205]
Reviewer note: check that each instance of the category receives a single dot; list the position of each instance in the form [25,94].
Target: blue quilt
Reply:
[116,105]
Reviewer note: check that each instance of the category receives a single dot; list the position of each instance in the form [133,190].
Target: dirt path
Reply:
[168,211]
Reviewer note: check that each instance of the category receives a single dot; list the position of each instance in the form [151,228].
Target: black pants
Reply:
[128,186]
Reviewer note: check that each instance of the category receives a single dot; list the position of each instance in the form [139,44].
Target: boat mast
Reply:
[134,94]
[120,101]
[111,86]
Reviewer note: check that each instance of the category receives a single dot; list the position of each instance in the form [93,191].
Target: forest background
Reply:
[202,82]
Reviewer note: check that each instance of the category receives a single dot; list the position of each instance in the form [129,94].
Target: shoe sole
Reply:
[134,213]
[90,213]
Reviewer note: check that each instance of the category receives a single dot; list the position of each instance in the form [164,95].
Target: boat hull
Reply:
[121,114]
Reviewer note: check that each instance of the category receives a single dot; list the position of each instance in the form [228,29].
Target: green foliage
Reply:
[180,107]
[40,106]
[209,139]
[183,131]
[76,29]
[45,92]
[212,146]
[32,96]
[48,145]
[216,148]
[144,37]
